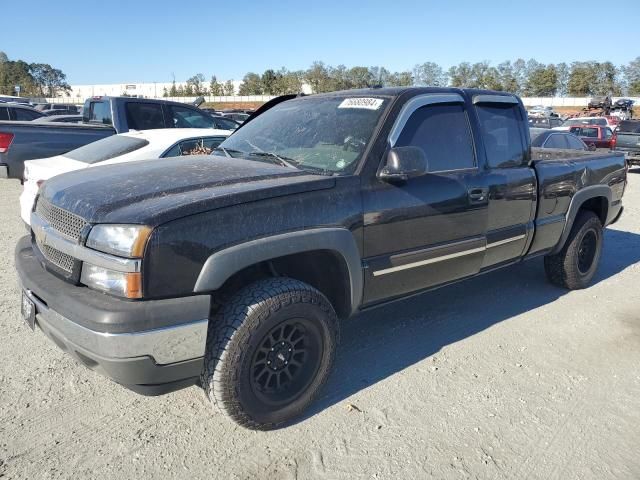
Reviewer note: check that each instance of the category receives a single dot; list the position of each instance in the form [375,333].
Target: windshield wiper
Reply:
[283,161]
[228,151]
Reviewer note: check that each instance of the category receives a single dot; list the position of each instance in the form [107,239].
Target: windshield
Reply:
[327,133]
[106,149]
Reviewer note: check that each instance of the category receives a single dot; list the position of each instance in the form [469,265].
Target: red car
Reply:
[595,136]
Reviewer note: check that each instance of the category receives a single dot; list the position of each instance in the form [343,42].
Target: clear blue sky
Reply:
[114,41]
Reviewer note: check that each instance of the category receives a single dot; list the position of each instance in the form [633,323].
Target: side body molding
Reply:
[223,264]
[577,200]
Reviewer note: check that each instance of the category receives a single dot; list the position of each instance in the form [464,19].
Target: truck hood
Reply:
[153,192]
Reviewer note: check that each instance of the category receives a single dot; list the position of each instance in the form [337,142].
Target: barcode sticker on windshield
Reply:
[366,103]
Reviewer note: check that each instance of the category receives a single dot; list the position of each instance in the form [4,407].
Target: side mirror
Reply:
[404,163]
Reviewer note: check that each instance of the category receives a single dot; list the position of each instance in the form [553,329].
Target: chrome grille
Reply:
[59,259]
[66,223]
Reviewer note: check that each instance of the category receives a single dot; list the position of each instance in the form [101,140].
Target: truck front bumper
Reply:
[151,347]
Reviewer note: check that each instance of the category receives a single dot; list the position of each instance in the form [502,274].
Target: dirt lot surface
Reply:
[499,377]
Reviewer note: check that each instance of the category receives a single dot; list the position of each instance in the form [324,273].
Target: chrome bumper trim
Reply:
[165,345]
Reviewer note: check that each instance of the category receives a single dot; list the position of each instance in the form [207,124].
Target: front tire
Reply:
[576,264]
[269,351]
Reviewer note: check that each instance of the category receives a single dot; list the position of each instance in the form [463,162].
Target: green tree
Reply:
[14,73]
[430,74]
[562,75]
[379,75]
[229,89]
[317,76]
[542,81]
[286,82]
[251,84]
[507,77]
[196,84]
[520,74]
[581,79]
[49,81]
[215,87]
[164,92]
[632,76]
[360,77]
[607,79]
[3,57]
[270,81]
[461,75]
[173,91]
[400,79]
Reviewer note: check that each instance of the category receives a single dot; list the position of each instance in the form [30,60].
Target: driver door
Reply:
[428,230]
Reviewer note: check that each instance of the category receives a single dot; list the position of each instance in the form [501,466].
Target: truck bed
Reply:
[564,173]
[42,140]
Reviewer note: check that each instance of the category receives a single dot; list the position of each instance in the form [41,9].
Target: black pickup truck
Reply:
[231,271]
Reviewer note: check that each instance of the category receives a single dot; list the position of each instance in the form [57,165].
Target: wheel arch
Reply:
[595,198]
[314,256]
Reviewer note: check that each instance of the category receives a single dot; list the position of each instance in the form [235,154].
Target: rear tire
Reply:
[576,264]
[269,351]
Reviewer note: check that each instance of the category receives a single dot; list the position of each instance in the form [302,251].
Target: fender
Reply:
[221,265]
[577,200]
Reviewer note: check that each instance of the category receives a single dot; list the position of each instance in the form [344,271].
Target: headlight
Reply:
[123,240]
[123,284]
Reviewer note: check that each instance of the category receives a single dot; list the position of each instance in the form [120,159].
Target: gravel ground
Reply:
[503,376]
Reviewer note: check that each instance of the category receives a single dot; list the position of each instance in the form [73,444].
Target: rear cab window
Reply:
[106,149]
[500,124]
[100,112]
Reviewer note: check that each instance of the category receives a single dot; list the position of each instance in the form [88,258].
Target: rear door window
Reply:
[575,143]
[25,115]
[106,149]
[500,125]
[183,117]
[144,116]
[4,113]
[442,131]
[556,141]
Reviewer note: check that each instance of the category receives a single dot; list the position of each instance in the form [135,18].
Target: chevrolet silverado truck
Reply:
[102,117]
[232,271]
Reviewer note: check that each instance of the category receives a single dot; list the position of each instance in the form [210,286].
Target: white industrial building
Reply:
[144,89]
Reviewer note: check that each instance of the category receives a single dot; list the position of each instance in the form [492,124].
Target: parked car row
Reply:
[101,117]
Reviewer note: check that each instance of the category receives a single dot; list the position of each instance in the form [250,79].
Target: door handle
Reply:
[478,195]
